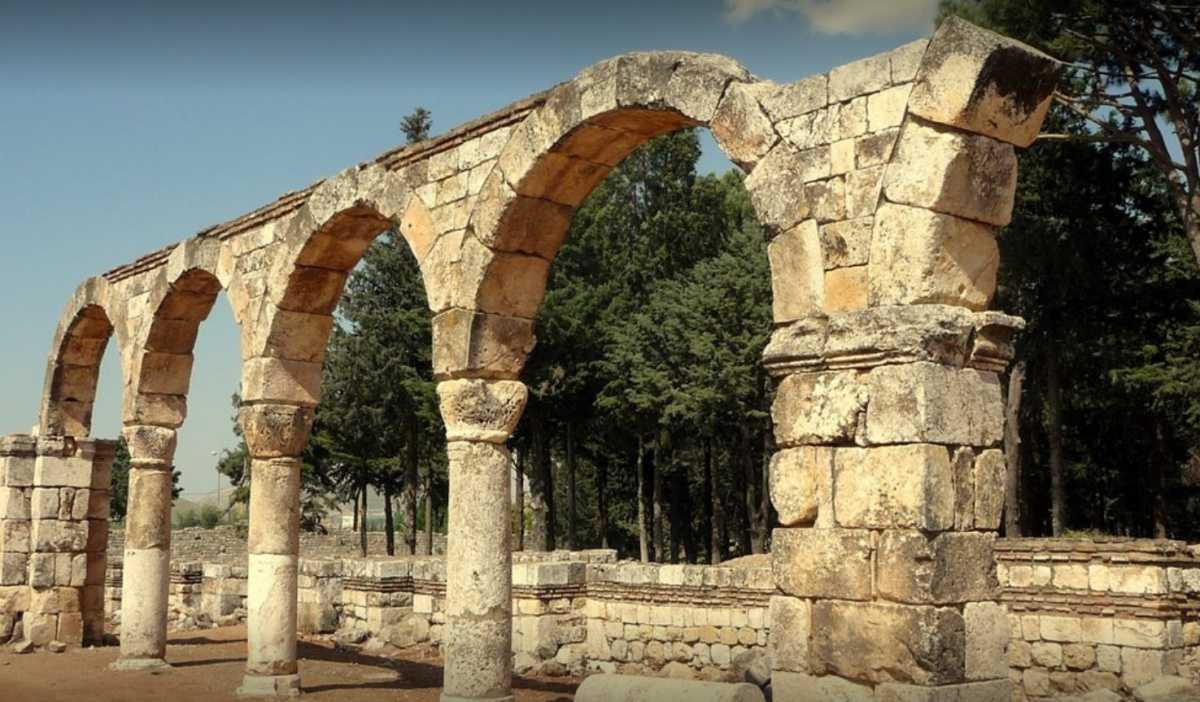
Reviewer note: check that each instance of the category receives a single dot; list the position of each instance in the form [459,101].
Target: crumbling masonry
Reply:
[881,185]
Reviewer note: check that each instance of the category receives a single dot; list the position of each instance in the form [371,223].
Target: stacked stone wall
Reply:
[1105,614]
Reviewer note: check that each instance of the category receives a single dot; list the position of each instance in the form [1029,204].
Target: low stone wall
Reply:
[1109,614]
[224,544]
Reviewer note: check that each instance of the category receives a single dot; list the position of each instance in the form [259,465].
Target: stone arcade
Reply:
[881,185]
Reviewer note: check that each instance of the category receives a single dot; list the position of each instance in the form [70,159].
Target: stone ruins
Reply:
[881,185]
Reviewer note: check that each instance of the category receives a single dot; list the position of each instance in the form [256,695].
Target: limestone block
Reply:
[885,109]
[987,637]
[906,60]
[979,81]
[846,289]
[875,149]
[14,503]
[621,688]
[841,157]
[811,688]
[862,191]
[964,488]
[776,187]
[905,486]
[465,342]
[535,226]
[791,625]
[14,536]
[952,567]
[801,484]
[1063,629]
[298,336]
[934,403]
[156,410]
[283,381]
[797,280]
[818,408]
[62,471]
[859,78]
[1141,666]
[846,243]
[16,471]
[741,126]
[274,430]
[513,285]
[562,179]
[481,410]
[989,691]
[888,643]
[967,175]
[798,98]
[274,507]
[989,477]
[827,199]
[920,257]
[823,562]
[42,569]
[44,503]
[1139,580]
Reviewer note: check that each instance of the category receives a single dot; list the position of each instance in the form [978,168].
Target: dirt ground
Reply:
[208,666]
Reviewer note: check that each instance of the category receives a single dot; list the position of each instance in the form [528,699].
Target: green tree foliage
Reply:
[416,125]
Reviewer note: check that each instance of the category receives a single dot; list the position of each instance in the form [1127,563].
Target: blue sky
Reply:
[126,126]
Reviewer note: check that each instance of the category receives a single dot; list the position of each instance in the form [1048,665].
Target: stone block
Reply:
[919,256]
[44,503]
[981,82]
[987,638]
[797,273]
[801,484]
[833,563]
[16,471]
[886,108]
[888,643]
[15,503]
[14,569]
[14,536]
[905,486]
[859,78]
[846,289]
[934,403]
[813,688]
[963,462]
[989,477]
[952,567]
[863,188]
[846,243]
[906,60]
[989,691]
[776,187]
[741,126]
[791,626]
[798,98]
[59,471]
[818,408]
[283,381]
[966,175]
[465,342]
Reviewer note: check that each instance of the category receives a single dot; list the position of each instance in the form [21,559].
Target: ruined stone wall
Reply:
[227,544]
[1110,614]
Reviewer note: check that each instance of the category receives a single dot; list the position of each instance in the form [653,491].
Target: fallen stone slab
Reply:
[629,688]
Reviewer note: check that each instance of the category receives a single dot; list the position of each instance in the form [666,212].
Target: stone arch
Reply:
[73,367]
[552,161]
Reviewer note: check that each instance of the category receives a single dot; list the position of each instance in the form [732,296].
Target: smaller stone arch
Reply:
[73,366]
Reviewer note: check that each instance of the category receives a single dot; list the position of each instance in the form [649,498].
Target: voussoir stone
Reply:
[982,82]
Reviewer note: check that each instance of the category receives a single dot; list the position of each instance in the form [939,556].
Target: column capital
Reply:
[481,410]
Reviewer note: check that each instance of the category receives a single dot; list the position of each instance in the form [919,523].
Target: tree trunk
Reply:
[656,486]
[744,467]
[1012,452]
[429,510]
[546,477]
[572,515]
[764,487]
[602,500]
[355,526]
[1191,219]
[1158,500]
[362,539]
[643,540]
[520,498]
[710,532]
[1055,442]
[388,524]
[413,481]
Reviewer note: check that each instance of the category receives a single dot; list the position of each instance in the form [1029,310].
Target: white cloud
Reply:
[844,16]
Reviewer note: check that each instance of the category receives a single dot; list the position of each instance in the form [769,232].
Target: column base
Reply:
[271,686]
[456,698]
[139,664]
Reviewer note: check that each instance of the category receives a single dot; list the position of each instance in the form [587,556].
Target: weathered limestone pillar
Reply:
[480,415]
[888,412]
[276,435]
[68,538]
[17,454]
[146,568]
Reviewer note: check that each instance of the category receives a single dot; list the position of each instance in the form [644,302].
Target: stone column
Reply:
[146,568]
[17,453]
[480,415]
[275,435]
